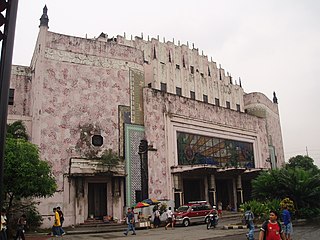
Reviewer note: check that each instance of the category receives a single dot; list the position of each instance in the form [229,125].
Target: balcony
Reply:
[88,167]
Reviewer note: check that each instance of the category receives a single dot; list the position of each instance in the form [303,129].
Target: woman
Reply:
[156,221]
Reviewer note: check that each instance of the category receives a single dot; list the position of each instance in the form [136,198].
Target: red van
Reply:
[193,212]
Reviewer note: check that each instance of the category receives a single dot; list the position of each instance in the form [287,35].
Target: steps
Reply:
[98,226]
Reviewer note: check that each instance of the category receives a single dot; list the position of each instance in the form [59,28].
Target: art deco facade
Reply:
[207,138]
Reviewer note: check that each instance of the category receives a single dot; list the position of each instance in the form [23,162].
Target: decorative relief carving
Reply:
[91,60]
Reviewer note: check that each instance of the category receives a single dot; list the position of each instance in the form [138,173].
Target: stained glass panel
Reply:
[198,149]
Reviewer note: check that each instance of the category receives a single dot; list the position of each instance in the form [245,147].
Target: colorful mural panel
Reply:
[197,149]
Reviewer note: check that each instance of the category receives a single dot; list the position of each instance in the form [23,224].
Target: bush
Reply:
[308,213]
[287,202]
[34,219]
[261,209]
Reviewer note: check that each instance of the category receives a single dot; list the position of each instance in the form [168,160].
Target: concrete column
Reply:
[212,188]
[239,190]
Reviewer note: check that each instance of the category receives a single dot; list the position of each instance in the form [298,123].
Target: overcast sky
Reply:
[273,45]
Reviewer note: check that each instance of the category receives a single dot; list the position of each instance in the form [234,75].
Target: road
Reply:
[196,232]
[300,233]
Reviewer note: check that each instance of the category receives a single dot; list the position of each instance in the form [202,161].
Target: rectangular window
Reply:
[178,91]
[149,85]
[217,102]
[205,98]
[228,104]
[11,96]
[238,107]
[192,69]
[177,66]
[192,95]
[220,152]
[163,87]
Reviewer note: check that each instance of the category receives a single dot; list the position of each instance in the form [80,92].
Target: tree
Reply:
[302,185]
[25,174]
[303,162]
[17,130]
[266,186]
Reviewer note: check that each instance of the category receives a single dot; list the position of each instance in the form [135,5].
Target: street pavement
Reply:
[195,232]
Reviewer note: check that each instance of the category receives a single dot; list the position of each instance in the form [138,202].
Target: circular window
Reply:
[97,140]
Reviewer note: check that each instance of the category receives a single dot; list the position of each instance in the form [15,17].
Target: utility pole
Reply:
[8,15]
[307,151]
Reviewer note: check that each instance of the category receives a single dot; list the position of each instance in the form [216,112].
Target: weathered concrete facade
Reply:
[127,90]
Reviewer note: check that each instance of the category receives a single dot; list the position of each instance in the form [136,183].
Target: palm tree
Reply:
[17,130]
[302,186]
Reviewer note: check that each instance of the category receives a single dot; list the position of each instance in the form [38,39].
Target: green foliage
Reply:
[25,175]
[163,207]
[17,130]
[266,186]
[287,202]
[110,159]
[301,185]
[258,208]
[29,208]
[261,209]
[304,162]
[308,213]
[34,218]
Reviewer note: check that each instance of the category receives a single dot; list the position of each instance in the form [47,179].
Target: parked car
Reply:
[193,212]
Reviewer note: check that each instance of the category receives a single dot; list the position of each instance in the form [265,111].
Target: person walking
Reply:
[22,222]
[286,217]
[56,224]
[130,221]
[3,229]
[169,219]
[271,229]
[249,217]
[220,209]
[156,220]
[61,220]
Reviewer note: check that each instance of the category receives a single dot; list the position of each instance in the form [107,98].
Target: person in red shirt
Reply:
[271,229]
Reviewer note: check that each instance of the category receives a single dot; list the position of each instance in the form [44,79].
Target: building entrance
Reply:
[97,200]
[225,192]
[193,190]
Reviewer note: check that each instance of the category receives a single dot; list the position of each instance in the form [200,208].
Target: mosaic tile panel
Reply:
[133,135]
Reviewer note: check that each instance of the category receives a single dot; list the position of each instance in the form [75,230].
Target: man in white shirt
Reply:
[170,219]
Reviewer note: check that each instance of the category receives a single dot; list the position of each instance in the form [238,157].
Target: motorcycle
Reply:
[212,221]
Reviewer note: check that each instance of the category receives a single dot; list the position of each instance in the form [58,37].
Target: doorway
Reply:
[193,190]
[225,192]
[97,200]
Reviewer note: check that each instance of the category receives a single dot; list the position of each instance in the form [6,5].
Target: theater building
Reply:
[182,127]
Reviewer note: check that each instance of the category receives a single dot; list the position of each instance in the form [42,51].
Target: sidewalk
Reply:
[228,218]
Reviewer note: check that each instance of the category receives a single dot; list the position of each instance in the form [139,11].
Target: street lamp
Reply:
[143,152]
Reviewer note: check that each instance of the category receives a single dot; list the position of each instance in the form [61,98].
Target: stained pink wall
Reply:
[82,82]
[21,83]
[157,104]
[259,102]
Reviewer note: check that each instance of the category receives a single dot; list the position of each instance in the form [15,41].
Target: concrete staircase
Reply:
[98,226]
